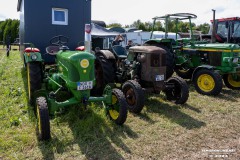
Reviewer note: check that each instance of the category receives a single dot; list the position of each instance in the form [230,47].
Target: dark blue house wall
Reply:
[38,28]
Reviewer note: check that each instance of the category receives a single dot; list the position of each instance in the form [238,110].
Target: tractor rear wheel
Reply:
[207,82]
[179,93]
[184,73]
[117,111]
[230,82]
[34,79]
[104,73]
[43,123]
[170,62]
[134,95]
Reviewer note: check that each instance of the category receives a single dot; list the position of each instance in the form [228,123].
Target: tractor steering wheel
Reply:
[59,40]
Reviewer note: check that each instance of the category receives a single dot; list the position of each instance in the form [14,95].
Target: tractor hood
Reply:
[76,66]
[216,46]
[74,55]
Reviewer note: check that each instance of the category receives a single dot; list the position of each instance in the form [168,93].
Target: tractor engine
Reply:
[75,72]
[148,66]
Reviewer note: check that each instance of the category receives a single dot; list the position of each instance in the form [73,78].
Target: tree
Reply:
[114,25]
[10,28]
[204,28]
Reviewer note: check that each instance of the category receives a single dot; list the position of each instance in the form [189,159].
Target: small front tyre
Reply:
[207,82]
[117,111]
[178,92]
[43,123]
[134,96]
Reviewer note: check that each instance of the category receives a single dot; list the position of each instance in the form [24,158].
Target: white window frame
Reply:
[65,14]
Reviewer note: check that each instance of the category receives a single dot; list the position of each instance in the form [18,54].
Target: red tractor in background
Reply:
[227,30]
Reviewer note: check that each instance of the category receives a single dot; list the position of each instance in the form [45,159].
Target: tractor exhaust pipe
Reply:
[88,39]
[213,35]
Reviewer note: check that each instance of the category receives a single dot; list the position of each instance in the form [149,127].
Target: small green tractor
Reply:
[72,77]
[142,69]
[206,64]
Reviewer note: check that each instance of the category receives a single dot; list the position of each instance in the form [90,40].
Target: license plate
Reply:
[84,85]
[159,77]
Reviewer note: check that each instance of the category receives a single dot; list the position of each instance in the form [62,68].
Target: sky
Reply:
[126,12]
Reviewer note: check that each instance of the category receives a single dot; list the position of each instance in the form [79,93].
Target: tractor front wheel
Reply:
[179,93]
[230,82]
[43,123]
[117,111]
[134,96]
[207,82]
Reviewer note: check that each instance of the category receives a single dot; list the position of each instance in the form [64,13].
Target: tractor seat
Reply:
[120,51]
[52,50]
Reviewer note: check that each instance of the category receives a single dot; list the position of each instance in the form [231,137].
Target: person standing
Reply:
[8,42]
[118,39]
[129,44]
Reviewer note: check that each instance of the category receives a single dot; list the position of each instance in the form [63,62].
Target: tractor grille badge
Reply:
[84,63]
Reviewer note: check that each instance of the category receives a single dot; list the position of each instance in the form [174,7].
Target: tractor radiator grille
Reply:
[155,60]
[164,59]
[215,58]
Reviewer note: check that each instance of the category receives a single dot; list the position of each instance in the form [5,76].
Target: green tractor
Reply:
[71,77]
[206,64]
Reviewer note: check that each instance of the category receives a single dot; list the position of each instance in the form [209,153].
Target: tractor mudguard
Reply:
[106,53]
[202,67]
[166,42]
[32,57]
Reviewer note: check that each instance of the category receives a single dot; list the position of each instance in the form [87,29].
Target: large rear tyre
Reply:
[104,73]
[43,123]
[230,82]
[134,96]
[34,79]
[184,73]
[179,93]
[207,82]
[170,62]
[117,111]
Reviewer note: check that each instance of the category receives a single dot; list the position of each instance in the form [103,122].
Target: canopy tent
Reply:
[101,32]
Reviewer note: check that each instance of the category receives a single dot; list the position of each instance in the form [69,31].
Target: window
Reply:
[59,16]
[222,30]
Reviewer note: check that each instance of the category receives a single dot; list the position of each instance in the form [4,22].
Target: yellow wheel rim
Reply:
[232,82]
[183,70]
[28,79]
[114,113]
[206,82]
[39,119]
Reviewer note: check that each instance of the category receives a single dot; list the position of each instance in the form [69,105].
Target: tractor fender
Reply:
[106,53]
[201,67]
[28,57]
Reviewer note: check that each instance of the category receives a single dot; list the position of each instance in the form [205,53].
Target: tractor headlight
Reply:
[34,57]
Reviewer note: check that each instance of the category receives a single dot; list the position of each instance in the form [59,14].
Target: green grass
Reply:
[163,130]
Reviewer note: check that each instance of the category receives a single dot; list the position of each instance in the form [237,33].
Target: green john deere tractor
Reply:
[73,75]
[206,64]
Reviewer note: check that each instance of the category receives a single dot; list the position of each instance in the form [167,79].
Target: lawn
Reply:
[204,127]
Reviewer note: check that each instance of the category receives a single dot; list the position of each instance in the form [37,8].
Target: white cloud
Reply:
[128,11]
[8,9]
